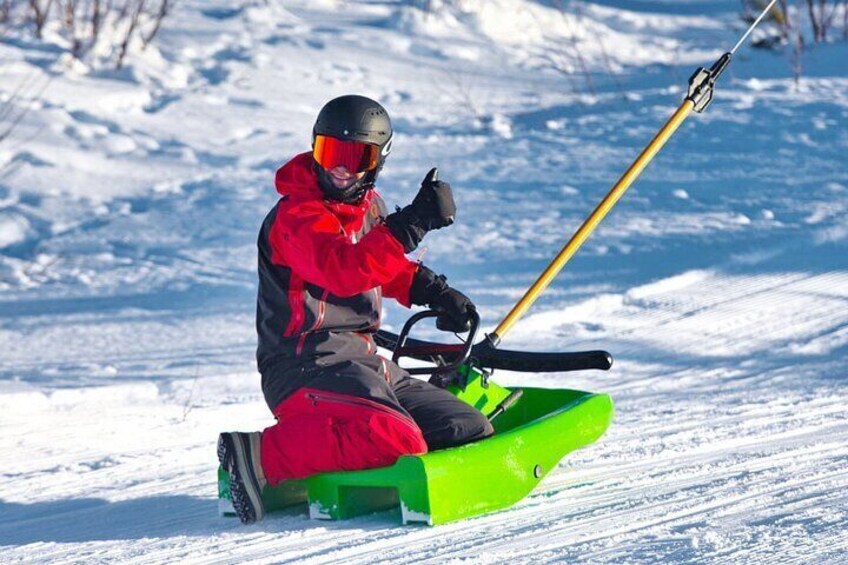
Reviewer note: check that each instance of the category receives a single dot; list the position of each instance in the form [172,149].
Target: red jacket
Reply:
[323,268]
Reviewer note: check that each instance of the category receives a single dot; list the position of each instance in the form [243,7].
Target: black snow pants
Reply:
[444,420]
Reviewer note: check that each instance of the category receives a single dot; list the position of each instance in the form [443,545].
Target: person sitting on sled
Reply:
[328,253]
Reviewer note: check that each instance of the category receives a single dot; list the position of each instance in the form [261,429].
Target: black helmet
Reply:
[353,118]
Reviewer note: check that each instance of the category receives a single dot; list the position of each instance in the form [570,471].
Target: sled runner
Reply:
[534,429]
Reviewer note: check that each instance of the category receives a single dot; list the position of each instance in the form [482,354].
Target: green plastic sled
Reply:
[531,437]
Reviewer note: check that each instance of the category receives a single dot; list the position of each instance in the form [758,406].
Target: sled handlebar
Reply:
[459,352]
[484,354]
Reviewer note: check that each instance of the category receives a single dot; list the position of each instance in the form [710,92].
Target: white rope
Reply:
[753,25]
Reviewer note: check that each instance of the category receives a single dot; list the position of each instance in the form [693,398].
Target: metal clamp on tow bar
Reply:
[461,350]
[702,83]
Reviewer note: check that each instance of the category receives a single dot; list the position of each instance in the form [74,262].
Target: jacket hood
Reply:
[298,181]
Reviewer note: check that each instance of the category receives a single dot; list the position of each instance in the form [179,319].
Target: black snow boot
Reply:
[238,454]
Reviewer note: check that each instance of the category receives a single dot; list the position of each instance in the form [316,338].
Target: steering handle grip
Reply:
[401,349]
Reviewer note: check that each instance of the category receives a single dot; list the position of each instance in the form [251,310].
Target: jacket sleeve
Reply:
[309,240]
[400,286]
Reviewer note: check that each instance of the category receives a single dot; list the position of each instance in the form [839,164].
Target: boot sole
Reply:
[234,456]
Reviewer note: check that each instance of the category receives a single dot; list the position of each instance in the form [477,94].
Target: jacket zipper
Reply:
[361,402]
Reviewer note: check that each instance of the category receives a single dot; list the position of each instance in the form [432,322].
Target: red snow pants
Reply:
[319,431]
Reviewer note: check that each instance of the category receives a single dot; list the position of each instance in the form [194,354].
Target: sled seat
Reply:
[530,439]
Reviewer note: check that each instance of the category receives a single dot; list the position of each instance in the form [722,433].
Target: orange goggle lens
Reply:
[355,156]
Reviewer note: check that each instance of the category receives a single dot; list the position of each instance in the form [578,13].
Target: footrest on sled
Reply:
[531,437]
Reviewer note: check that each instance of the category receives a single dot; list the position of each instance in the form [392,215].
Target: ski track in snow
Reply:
[720,282]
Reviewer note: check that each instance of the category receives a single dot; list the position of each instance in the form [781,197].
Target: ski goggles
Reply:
[355,156]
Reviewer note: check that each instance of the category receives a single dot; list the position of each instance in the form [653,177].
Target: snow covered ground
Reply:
[130,202]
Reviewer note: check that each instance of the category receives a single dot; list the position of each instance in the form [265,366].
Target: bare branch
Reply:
[797,53]
[96,18]
[133,24]
[40,12]
[164,9]
[814,21]
[845,19]
[5,11]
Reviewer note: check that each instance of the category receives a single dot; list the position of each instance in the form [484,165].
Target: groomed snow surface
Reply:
[130,202]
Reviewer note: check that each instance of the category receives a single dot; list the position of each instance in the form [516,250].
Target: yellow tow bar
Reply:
[582,234]
[699,96]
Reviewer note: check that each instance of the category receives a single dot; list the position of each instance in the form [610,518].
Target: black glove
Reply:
[430,289]
[432,208]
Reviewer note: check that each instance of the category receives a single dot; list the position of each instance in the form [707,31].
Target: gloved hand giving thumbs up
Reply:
[434,202]
[431,209]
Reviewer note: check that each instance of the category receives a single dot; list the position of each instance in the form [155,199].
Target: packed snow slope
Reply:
[130,203]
